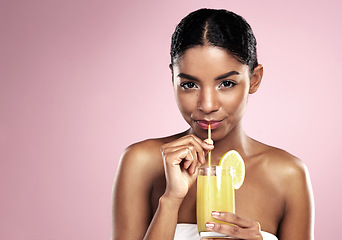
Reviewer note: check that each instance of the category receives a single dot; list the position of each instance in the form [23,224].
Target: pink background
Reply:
[81,80]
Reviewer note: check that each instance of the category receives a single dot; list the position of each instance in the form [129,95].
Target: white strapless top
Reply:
[186,231]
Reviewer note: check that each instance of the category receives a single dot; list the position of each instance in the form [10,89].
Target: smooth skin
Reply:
[155,185]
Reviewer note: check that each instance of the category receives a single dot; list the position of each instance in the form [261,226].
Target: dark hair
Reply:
[219,28]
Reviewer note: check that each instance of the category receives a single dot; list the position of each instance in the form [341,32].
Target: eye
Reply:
[227,84]
[188,85]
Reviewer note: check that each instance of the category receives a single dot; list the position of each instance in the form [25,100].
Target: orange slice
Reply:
[234,162]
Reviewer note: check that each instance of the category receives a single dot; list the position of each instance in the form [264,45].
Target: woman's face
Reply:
[211,87]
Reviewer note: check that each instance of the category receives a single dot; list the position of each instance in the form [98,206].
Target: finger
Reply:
[205,144]
[189,156]
[235,219]
[235,231]
[201,147]
[209,141]
[185,154]
[191,160]
[193,166]
[179,154]
[175,148]
[191,139]
[184,140]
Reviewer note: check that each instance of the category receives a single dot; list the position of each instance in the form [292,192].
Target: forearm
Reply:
[164,222]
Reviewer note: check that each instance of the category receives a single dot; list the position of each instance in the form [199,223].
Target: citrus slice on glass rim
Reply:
[233,161]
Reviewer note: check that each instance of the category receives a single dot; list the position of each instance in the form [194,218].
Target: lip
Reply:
[204,124]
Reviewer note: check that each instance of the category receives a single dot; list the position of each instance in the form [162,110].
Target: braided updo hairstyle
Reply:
[218,28]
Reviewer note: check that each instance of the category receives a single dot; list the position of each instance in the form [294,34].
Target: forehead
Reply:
[208,60]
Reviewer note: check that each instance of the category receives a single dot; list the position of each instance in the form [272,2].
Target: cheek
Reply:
[235,102]
[186,102]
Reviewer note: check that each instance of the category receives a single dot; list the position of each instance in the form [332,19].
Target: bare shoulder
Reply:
[289,175]
[141,153]
[285,171]
[284,165]
[148,149]
[145,155]
[140,166]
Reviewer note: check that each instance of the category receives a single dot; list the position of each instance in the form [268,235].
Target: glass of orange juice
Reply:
[215,192]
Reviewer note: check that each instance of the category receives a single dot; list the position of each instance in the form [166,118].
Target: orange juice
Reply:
[215,192]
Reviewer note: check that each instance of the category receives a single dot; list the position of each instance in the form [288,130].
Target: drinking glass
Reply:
[215,192]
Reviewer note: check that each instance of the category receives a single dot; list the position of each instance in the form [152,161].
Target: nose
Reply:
[208,101]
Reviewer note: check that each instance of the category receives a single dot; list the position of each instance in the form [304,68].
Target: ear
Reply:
[256,77]
[171,68]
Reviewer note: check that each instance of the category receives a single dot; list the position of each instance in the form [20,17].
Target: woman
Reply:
[214,68]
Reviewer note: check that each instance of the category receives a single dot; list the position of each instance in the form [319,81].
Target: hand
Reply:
[181,158]
[236,227]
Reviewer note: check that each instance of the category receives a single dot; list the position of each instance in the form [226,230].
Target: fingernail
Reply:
[209,225]
[209,142]
[215,214]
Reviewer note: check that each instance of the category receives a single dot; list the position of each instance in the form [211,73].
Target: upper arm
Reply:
[131,195]
[298,219]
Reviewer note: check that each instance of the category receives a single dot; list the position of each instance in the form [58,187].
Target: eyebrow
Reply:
[187,76]
[225,75]
[228,74]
